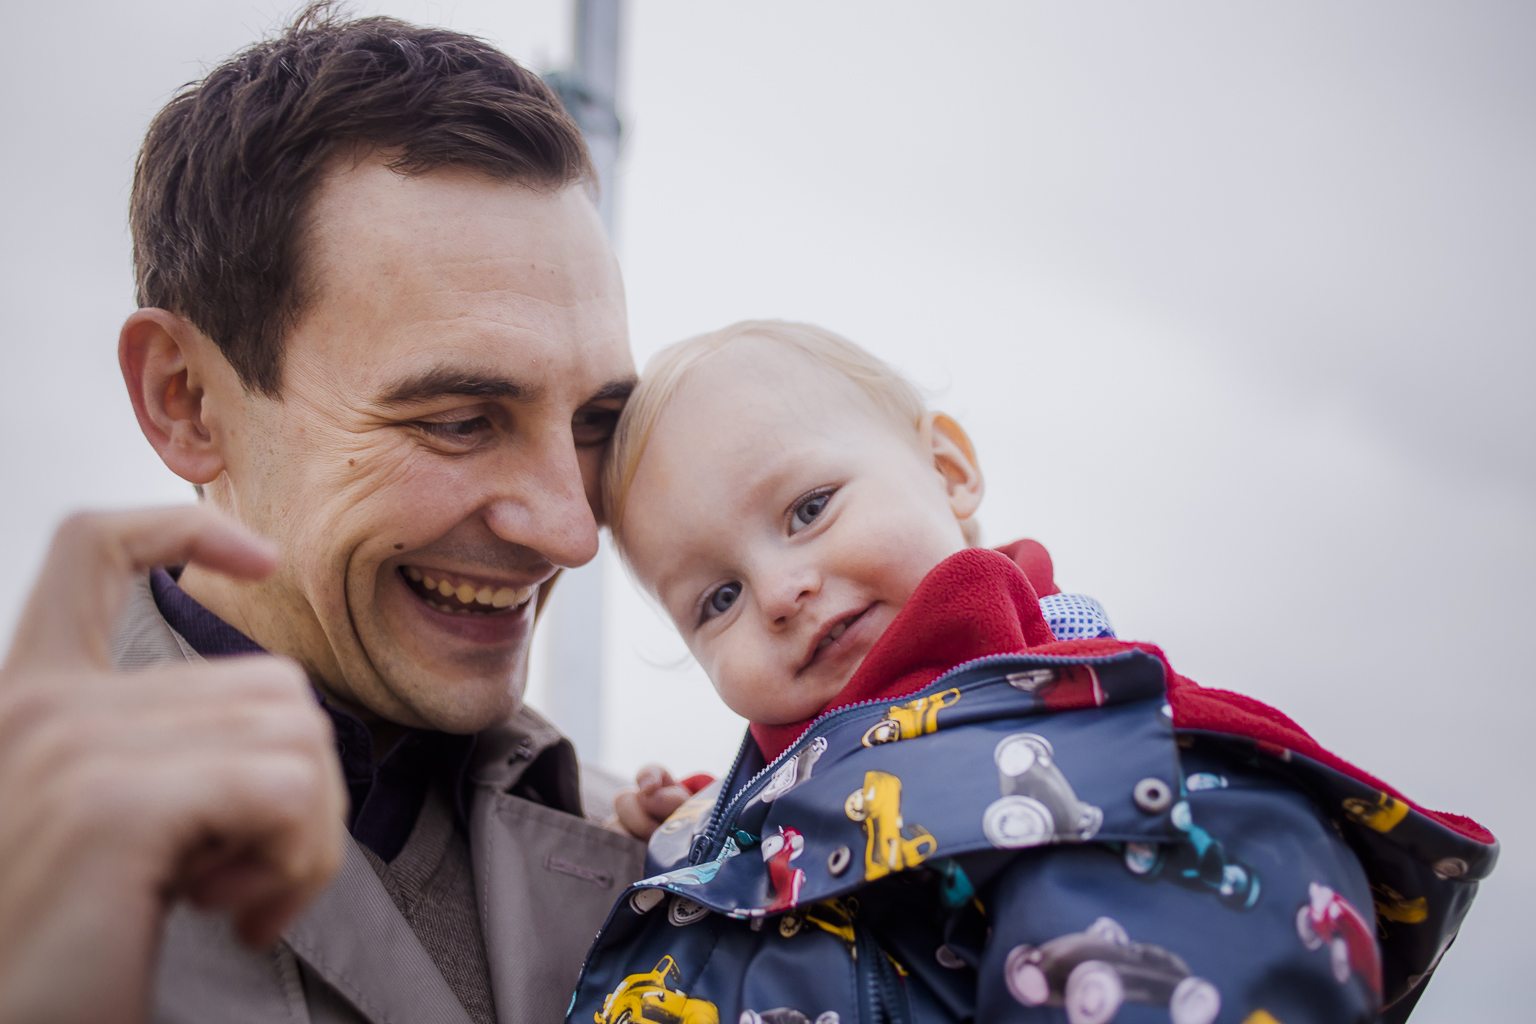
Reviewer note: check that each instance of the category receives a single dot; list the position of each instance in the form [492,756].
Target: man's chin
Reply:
[451,688]
[461,707]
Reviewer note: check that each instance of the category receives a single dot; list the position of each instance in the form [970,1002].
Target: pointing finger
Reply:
[68,619]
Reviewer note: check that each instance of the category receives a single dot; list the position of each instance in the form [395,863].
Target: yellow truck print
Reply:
[877,808]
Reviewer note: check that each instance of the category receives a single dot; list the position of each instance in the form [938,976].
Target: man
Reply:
[383,328]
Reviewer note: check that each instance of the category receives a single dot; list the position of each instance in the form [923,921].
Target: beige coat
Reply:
[544,879]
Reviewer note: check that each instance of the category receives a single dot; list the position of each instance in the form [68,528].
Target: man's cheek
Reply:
[590,461]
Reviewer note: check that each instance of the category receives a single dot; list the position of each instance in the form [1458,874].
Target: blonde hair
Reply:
[891,393]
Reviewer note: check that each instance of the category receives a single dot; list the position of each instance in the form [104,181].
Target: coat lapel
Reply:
[354,938]
[546,877]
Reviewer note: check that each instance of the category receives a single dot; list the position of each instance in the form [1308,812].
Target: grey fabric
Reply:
[432,884]
[556,878]
[543,883]
[360,945]
[142,637]
[203,966]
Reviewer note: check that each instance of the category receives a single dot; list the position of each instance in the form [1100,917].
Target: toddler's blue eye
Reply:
[811,508]
[722,599]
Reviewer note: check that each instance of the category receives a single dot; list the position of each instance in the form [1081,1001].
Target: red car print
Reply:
[778,850]
[1065,688]
[1328,919]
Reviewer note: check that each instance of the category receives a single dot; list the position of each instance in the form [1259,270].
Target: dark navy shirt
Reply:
[385,797]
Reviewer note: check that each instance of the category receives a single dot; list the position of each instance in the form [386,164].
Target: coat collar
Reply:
[355,939]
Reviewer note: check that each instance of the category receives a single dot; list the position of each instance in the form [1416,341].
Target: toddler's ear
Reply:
[955,459]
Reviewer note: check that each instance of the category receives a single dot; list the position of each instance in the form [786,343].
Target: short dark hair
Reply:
[227,168]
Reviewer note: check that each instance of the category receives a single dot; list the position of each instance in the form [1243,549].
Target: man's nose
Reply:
[542,503]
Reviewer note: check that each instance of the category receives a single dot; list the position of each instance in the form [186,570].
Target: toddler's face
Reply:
[783,521]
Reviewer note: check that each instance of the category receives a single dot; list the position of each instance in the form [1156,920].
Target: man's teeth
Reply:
[465,596]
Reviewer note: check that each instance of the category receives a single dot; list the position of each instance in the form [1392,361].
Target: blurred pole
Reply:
[589,89]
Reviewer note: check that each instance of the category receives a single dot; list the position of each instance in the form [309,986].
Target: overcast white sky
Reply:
[1236,301]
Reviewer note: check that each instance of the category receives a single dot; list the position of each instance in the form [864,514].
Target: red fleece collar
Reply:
[972,604]
[981,602]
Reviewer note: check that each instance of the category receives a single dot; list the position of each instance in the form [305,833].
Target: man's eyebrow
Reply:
[620,388]
[443,383]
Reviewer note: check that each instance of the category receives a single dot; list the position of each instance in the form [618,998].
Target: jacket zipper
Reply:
[881,998]
[705,845]
[876,971]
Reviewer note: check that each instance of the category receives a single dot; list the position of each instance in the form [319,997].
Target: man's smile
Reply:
[464,595]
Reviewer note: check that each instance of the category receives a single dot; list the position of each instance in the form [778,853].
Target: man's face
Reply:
[446,397]
[782,521]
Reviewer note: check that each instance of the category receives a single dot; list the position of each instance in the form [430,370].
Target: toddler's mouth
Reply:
[829,639]
[837,631]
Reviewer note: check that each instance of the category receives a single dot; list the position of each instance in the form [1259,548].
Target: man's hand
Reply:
[215,782]
[642,810]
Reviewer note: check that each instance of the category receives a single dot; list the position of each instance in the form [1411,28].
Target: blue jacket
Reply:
[1037,836]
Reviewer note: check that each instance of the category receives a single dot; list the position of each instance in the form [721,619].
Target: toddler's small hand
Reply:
[642,810]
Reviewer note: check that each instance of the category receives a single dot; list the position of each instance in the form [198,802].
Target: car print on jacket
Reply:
[1392,905]
[778,850]
[786,1015]
[1093,972]
[1065,688]
[657,997]
[1199,862]
[791,773]
[914,718]
[1328,919]
[876,806]
[1038,805]
[1382,815]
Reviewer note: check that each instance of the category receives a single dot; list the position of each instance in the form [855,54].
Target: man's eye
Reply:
[593,426]
[808,509]
[721,600]
[458,430]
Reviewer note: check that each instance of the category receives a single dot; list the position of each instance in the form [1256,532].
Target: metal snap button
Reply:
[789,925]
[1152,795]
[683,912]
[645,900]
[839,859]
[947,958]
[1450,867]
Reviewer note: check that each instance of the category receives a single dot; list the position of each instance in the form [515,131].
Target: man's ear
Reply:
[955,459]
[164,362]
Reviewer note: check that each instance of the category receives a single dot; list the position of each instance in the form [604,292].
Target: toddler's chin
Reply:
[827,696]
[802,704]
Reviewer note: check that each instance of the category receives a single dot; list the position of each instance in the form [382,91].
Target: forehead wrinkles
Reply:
[371,234]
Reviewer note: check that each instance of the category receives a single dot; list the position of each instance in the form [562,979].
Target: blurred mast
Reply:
[589,89]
